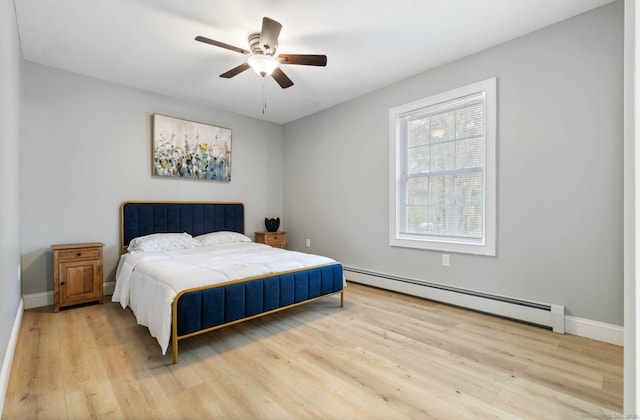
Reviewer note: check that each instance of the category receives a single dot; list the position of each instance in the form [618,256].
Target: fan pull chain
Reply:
[264,98]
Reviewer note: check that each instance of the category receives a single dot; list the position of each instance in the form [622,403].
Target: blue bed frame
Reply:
[203,309]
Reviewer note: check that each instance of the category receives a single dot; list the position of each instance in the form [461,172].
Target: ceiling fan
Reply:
[262,54]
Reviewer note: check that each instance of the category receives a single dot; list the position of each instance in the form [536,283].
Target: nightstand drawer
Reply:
[78,254]
[274,239]
[275,244]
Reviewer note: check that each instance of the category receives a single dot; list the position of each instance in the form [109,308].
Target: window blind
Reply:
[443,169]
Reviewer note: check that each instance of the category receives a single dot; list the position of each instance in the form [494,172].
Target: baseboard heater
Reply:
[544,314]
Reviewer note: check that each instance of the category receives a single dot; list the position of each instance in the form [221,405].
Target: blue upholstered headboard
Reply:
[144,218]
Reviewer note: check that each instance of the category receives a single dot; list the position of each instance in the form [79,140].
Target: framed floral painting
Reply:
[190,149]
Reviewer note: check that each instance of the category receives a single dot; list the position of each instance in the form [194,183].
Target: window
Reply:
[442,171]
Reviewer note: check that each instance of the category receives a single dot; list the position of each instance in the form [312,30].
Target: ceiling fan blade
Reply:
[222,45]
[303,59]
[269,35]
[235,71]
[282,79]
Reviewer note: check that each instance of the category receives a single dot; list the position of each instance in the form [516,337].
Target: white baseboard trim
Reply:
[108,288]
[37,300]
[8,357]
[609,333]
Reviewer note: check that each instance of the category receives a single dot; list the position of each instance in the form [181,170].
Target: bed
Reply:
[188,288]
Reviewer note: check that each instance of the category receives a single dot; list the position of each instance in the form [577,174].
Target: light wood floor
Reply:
[383,355]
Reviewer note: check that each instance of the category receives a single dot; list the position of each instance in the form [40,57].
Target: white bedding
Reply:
[148,282]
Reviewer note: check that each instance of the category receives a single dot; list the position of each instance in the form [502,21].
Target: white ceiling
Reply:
[149,44]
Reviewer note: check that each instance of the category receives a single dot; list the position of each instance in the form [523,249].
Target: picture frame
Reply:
[189,149]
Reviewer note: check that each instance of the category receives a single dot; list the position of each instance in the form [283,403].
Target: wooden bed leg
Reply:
[342,298]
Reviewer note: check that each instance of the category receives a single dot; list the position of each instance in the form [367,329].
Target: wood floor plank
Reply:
[42,396]
[142,397]
[531,400]
[383,355]
[94,400]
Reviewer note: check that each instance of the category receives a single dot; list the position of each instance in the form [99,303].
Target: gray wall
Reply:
[10,82]
[86,147]
[560,177]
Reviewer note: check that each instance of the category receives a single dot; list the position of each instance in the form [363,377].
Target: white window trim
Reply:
[488,245]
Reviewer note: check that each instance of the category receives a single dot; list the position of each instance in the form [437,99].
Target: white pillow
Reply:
[223,237]
[162,242]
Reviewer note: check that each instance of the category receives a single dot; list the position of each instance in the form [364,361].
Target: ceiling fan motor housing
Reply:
[254,45]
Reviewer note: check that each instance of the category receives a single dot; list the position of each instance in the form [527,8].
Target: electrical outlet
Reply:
[445,260]
[308,243]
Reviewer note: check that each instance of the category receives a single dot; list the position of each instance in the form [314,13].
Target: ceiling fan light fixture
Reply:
[262,64]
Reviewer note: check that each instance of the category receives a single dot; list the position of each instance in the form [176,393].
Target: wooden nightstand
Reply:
[274,239]
[77,274]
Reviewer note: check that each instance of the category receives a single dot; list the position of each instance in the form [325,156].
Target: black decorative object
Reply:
[272,225]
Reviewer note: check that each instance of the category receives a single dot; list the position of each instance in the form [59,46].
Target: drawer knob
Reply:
[79,254]
[61,283]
